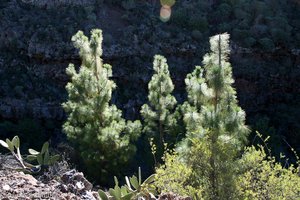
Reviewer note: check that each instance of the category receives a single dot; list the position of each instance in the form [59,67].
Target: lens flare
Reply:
[165,13]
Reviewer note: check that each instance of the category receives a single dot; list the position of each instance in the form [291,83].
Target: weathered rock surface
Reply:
[36,108]
[17,185]
[68,185]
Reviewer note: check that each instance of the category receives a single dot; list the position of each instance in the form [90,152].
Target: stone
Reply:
[6,187]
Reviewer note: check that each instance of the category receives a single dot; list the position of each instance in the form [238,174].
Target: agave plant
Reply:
[133,189]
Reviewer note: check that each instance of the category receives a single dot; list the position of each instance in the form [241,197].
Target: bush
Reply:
[263,178]
[177,177]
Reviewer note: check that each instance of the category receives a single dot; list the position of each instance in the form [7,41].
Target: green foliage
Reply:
[207,164]
[14,147]
[43,158]
[215,172]
[177,177]
[96,128]
[159,117]
[11,145]
[261,177]
[214,122]
[262,125]
[134,189]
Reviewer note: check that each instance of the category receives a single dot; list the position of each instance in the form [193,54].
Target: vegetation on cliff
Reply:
[191,115]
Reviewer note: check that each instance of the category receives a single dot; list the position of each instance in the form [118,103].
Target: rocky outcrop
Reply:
[36,108]
[70,184]
[17,185]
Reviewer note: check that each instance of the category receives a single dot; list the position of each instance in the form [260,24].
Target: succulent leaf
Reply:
[134,182]
[31,157]
[118,191]
[124,190]
[140,176]
[150,179]
[33,152]
[40,159]
[4,144]
[128,182]
[10,145]
[128,196]
[45,147]
[16,141]
[102,195]
[46,158]
[116,180]
[113,193]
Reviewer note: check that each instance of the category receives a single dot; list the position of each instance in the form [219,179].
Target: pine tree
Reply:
[215,123]
[96,128]
[158,114]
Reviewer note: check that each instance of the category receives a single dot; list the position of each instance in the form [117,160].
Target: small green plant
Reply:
[14,147]
[134,188]
[43,158]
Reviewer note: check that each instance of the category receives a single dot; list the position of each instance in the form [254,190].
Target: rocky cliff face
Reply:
[55,3]
[35,50]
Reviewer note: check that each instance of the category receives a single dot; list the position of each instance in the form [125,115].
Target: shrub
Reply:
[177,177]
[263,178]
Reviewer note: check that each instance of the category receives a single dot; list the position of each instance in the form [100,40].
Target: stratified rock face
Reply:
[37,36]
[35,49]
[56,3]
[36,108]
